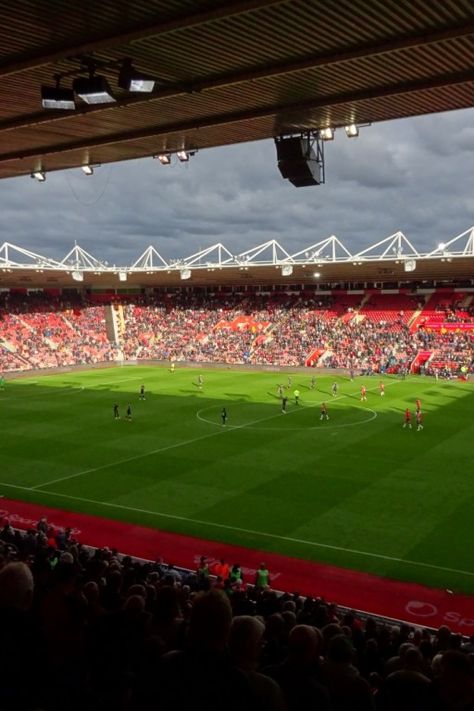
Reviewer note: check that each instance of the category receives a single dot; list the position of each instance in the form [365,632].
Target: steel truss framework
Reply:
[396,247]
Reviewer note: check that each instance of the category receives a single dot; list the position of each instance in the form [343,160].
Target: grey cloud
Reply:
[414,175]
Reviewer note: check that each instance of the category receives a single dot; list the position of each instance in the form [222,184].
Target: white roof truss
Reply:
[78,259]
[396,246]
[460,246]
[13,256]
[207,257]
[270,252]
[150,260]
[330,249]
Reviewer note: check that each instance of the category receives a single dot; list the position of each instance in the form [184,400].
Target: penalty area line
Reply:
[247,531]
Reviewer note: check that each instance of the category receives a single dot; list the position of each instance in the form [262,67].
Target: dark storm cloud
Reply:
[413,175]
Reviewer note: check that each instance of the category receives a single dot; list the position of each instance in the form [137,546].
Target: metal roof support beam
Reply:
[148,258]
[315,252]
[445,247]
[249,256]
[217,82]
[394,247]
[196,259]
[80,259]
[141,32]
[37,260]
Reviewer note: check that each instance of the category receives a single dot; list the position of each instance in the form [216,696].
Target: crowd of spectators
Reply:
[44,332]
[89,629]
[273,329]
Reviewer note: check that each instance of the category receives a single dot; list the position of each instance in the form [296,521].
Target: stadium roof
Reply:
[390,260]
[226,71]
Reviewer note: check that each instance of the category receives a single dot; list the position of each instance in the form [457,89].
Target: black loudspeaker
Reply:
[298,162]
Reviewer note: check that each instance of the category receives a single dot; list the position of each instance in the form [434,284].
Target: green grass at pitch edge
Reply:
[357,491]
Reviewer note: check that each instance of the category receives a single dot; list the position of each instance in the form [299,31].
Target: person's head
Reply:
[456,672]
[134,605]
[137,589]
[211,619]
[91,592]
[305,644]
[16,586]
[340,649]
[413,659]
[289,618]
[245,642]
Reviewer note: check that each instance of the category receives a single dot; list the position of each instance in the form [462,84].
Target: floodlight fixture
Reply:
[164,158]
[352,130]
[185,274]
[53,97]
[77,276]
[183,156]
[40,175]
[93,90]
[122,276]
[327,134]
[441,246]
[287,270]
[316,275]
[87,169]
[132,80]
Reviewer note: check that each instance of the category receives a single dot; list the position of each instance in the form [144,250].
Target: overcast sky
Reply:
[414,175]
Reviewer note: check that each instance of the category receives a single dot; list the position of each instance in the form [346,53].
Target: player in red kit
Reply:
[363,393]
[407,422]
[419,420]
[382,389]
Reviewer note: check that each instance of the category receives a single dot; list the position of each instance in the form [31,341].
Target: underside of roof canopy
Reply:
[226,72]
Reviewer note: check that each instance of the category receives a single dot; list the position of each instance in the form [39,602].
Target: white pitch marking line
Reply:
[263,534]
[293,429]
[176,445]
[291,412]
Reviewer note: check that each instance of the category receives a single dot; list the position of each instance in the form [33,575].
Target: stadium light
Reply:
[327,134]
[132,80]
[122,276]
[441,246]
[93,90]
[40,175]
[164,158]
[77,276]
[287,270]
[53,97]
[316,275]
[185,274]
[352,130]
[183,156]
[87,169]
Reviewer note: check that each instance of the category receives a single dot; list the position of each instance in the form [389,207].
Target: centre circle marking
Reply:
[256,426]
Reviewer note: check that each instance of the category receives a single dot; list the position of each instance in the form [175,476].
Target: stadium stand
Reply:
[89,628]
[367,332]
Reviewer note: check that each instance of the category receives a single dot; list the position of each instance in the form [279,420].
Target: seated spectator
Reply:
[299,674]
[349,691]
[246,640]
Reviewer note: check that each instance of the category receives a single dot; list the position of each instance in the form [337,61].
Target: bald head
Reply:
[305,643]
[245,642]
[16,586]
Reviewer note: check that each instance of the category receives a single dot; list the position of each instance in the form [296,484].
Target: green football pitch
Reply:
[358,491]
